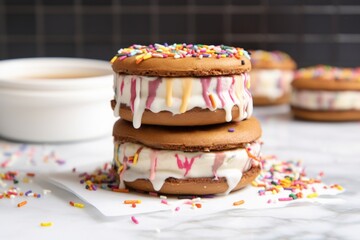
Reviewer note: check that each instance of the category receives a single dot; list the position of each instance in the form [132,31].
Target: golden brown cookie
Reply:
[201,138]
[181,60]
[271,76]
[193,160]
[327,116]
[326,93]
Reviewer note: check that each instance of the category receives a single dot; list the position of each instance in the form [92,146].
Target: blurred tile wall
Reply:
[312,31]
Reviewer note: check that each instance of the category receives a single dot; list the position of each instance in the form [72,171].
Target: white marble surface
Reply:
[333,148]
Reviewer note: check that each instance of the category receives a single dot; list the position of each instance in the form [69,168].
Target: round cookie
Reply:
[271,76]
[181,60]
[181,84]
[326,93]
[202,160]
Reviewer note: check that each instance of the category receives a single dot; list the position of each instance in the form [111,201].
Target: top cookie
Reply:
[268,60]
[322,77]
[181,60]
[216,137]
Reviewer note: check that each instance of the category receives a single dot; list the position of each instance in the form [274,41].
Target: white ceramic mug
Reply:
[55,99]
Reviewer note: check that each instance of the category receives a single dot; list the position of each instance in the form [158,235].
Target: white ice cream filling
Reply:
[270,83]
[326,100]
[178,95]
[135,161]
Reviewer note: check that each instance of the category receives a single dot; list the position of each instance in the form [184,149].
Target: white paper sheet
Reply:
[111,203]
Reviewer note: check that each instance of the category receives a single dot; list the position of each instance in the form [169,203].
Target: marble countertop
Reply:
[333,148]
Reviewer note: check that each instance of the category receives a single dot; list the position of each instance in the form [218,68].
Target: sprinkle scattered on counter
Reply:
[103,178]
[46,224]
[75,204]
[240,202]
[134,220]
[278,182]
[10,153]
[11,178]
[23,203]
[283,181]
[132,201]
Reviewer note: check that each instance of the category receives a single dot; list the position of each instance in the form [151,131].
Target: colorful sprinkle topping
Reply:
[326,72]
[142,52]
[273,56]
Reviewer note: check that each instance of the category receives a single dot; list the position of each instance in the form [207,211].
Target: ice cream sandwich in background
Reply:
[271,76]
[326,93]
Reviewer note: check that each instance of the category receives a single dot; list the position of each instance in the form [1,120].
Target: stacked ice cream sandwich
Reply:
[185,122]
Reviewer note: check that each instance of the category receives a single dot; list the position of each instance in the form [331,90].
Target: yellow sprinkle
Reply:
[139,56]
[25,180]
[132,201]
[46,224]
[79,205]
[254,184]
[113,59]
[147,56]
[312,195]
[274,191]
[339,187]
[88,182]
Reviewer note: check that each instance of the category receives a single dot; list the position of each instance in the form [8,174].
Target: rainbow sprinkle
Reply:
[288,180]
[326,72]
[273,56]
[103,178]
[12,178]
[10,153]
[142,52]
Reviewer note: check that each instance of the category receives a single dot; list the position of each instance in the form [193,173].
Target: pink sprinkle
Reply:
[122,58]
[313,189]
[177,209]
[285,199]
[164,201]
[134,220]
[269,201]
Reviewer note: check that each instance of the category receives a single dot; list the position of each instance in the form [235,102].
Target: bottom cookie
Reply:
[266,101]
[195,186]
[326,116]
